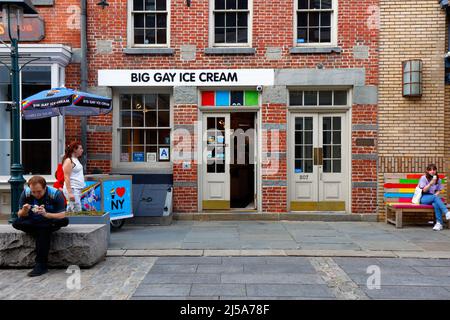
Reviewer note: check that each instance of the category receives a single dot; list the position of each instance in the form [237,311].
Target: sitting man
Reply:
[41,212]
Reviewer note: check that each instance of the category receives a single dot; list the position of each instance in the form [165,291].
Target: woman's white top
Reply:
[77,176]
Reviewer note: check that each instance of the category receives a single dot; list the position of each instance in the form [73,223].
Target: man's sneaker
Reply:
[447,215]
[437,227]
[38,270]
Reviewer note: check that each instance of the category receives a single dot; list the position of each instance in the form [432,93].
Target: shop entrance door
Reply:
[319,162]
[216,160]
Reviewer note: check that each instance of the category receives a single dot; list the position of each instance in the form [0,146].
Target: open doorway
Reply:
[242,160]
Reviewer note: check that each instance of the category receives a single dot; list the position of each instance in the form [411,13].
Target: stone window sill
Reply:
[150,51]
[230,50]
[302,50]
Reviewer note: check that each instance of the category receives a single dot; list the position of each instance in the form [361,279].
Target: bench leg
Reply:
[399,219]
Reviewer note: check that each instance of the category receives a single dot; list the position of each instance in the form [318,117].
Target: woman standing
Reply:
[431,186]
[73,176]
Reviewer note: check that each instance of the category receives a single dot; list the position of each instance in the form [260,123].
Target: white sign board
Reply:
[222,77]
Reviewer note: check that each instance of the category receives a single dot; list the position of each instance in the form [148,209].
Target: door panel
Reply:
[216,160]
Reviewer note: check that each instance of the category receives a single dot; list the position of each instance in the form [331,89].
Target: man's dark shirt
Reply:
[53,202]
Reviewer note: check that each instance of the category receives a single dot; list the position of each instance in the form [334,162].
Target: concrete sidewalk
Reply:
[280,238]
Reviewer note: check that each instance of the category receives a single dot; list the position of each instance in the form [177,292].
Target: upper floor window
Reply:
[149,22]
[231,20]
[315,21]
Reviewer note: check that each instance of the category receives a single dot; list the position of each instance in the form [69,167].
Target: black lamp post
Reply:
[12,16]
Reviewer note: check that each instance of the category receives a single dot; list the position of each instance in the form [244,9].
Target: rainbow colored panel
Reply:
[222,98]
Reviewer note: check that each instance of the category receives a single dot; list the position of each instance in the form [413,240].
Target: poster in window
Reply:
[138,157]
[163,153]
[125,157]
[151,156]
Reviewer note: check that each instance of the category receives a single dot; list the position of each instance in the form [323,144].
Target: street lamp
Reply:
[12,16]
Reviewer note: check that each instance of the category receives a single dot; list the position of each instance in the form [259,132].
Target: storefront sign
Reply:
[32,29]
[229,77]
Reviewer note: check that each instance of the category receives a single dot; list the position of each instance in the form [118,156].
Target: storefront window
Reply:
[144,127]
[36,135]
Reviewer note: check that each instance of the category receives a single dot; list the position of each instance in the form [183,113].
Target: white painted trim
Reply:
[51,53]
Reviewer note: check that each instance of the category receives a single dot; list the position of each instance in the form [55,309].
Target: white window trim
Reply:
[211,42]
[130,29]
[334,28]
[315,88]
[117,165]
[57,80]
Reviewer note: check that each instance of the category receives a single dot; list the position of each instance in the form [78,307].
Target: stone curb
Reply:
[279,253]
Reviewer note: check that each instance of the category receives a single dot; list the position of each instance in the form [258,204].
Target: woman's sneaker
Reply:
[447,215]
[437,227]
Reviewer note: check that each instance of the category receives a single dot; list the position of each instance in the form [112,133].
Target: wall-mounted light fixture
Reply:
[412,78]
[103,4]
[188,3]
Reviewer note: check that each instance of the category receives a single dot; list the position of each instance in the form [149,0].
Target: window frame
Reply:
[130,28]
[213,44]
[334,27]
[57,80]
[318,89]
[157,167]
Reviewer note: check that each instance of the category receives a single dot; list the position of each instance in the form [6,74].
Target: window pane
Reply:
[150,102]
[325,98]
[337,137]
[150,36]
[326,4]
[326,123]
[164,137]
[5,119]
[138,119]
[231,19]
[150,20]
[125,119]
[237,98]
[220,167]
[336,123]
[231,4]
[220,4]
[36,157]
[138,103]
[242,4]
[325,19]
[242,19]
[5,155]
[139,36]
[308,152]
[314,19]
[298,123]
[313,35]
[163,119]
[138,5]
[340,98]
[303,4]
[151,136]
[161,36]
[327,137]
[150,119]
[211,167]
[298,152]
[126,138]
[161,20]
[314,4]
[161,5]
[337,166]
[125,102]
[327,152]
[163,102]
[138,137]
[125,154]
[219,35]
[308,166]
[231,35]
[37,129]
[296,98]
[302,35]
[337,152]
[308,137]
[299,165]
[242,35]
[302,19]
[219,19]
[326,165]
[139,20]
[325,35]
[299,137]
[310,98]
[150,5]
[308,123]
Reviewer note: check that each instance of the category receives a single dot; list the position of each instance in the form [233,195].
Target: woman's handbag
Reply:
[417,196]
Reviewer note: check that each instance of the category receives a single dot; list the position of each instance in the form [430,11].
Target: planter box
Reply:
[85,219]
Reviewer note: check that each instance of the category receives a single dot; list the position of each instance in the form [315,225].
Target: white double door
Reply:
[318,162]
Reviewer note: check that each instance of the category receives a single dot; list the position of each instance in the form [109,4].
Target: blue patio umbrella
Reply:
[64,101]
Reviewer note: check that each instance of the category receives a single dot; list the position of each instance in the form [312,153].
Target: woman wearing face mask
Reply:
[431,186]
[73,176]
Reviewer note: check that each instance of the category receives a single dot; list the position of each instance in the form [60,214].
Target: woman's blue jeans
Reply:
[439,207]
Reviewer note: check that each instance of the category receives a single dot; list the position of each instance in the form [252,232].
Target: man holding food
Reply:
[42,211]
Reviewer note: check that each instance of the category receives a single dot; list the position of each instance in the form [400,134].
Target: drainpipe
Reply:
[84,77]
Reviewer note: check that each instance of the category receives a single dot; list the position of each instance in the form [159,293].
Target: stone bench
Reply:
[83,245]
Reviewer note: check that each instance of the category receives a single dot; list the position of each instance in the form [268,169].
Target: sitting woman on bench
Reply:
[431,186]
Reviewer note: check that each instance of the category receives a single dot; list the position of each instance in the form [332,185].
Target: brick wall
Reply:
[411,130]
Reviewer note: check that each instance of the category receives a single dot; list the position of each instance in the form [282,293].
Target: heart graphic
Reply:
[120,191]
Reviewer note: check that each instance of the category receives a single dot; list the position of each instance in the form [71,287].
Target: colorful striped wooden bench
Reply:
[398,192]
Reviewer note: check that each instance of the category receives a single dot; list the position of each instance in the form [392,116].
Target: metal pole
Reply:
[84,77]
[16,181]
